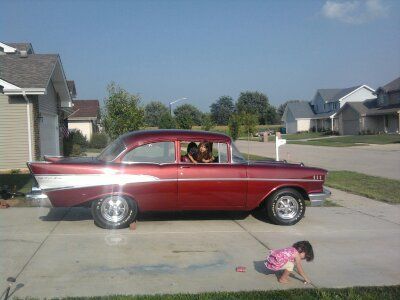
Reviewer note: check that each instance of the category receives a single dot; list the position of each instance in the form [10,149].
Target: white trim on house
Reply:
[7,85]
[363,86]
[8,49]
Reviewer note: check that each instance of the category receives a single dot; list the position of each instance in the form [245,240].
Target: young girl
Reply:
[286,258]
[204,154]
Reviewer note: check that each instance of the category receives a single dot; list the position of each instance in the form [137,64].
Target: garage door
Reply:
[49,142]
[351,127]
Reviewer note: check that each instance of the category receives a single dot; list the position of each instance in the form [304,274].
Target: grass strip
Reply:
[378,188]
[353,293]
[353,140]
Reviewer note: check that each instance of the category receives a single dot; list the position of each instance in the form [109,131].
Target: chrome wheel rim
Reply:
[287,207]
[114,209]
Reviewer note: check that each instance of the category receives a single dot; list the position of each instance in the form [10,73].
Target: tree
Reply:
[222,110]
[167,121]
[187,115]
[152,113]
[272,116]
[234,126]
[282,107]
[206,122]
[253,103]
[249,122]
[122,112]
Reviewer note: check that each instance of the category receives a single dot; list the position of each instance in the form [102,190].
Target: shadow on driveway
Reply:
[82,213]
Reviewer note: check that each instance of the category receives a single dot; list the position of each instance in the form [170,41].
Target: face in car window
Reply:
[161,152]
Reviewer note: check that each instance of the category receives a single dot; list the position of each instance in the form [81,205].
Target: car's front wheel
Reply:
[114,212]
[286,207]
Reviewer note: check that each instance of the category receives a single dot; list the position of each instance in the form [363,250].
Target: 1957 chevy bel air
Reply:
[148,171]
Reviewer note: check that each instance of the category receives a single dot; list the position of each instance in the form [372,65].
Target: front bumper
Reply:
[38,198]
[317,199]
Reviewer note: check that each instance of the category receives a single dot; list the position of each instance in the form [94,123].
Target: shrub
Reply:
[99,140]
[75,137]
[15,171]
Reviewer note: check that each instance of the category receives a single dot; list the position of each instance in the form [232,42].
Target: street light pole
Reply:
[173,102]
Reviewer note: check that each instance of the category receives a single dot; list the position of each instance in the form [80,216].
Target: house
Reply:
[378,115]
[34,100]
[297,116]
[324,107]
[85,117]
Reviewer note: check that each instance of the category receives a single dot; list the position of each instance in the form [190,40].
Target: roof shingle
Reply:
[33,71]
[85,109]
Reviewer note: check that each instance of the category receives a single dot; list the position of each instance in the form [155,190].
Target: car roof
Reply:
[141,136]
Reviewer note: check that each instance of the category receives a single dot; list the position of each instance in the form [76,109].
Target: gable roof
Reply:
[33,71]
[333,95]
[370,108]
[85,109]
[300,109]
[391,87]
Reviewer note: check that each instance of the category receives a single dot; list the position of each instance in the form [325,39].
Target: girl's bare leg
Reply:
[284,277]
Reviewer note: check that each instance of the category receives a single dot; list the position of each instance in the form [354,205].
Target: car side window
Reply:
[161,152]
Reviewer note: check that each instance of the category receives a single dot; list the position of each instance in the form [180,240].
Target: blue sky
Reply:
[165,50]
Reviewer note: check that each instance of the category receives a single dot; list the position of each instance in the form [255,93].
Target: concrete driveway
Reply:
[59,252]
[377,160]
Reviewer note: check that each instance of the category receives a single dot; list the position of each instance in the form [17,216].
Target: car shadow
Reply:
[83,213]
[67,214]
[192,215]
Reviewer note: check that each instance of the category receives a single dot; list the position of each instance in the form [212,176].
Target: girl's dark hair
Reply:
[204,155]
[305,247]
[191,148]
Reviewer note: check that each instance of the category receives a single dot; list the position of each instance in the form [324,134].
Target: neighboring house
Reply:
[324,106]
[297,116]
[34,100]
[380,115]
[86,117]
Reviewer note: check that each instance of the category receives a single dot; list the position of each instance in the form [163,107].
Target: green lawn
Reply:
[382,189]
[298,136]
[354,293]
[354,140]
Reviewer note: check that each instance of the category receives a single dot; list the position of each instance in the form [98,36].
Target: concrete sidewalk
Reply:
[59,252]
[376,160]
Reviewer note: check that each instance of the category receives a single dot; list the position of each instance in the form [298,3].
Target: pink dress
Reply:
[278,258]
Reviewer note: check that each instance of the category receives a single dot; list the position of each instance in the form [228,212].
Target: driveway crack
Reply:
[37,250]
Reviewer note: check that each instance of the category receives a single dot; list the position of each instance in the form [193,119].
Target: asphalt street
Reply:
[376,160]
[59,252]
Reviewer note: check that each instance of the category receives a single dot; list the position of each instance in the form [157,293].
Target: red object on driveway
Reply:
[146,171]
[241,269]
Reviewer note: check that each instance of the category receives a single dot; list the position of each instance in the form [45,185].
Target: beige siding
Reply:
[85,127]
[303,125]
[14,150]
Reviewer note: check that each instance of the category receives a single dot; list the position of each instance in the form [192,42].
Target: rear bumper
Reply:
[317,199]
[38,198]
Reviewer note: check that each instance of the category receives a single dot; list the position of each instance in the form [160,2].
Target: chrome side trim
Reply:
[38,197]
[317,199]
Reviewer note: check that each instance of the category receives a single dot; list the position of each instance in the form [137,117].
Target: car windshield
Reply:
[237,157]
[112,151]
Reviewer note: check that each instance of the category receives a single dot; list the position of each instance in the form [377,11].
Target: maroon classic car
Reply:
[150,171]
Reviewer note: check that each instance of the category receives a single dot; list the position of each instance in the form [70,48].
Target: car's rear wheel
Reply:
[114,212]
[286,207]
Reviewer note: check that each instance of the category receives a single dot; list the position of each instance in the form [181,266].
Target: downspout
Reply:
[28,116]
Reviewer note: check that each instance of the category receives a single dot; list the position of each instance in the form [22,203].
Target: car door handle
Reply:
[184,167]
